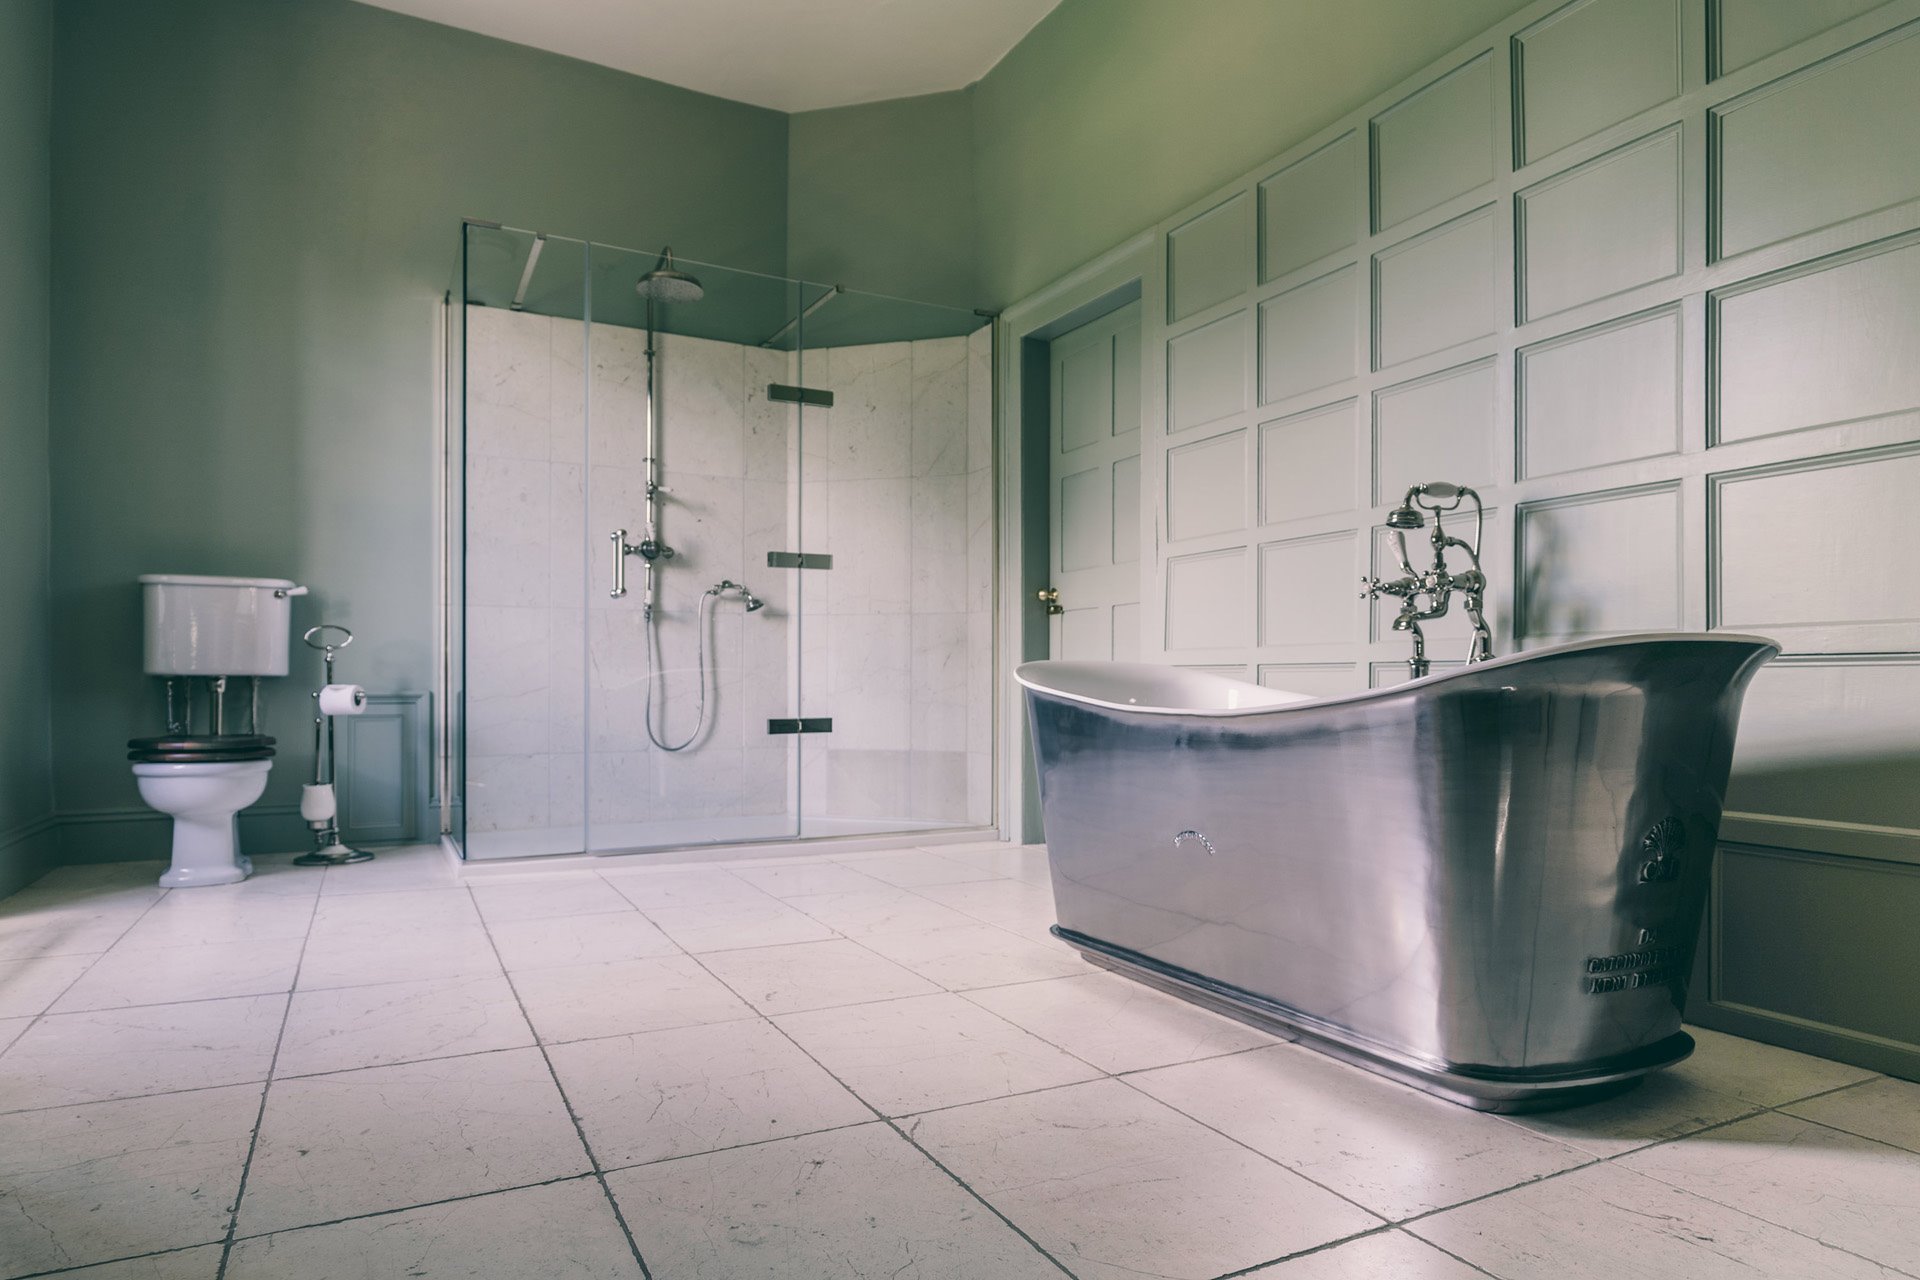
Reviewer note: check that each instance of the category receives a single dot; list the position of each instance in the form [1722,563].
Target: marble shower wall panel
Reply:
[909,521]
[522,488]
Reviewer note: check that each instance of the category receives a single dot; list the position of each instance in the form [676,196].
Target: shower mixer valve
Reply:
[649,549]
[1427,595]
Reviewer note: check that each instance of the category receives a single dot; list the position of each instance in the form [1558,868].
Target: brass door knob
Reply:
[1050,597]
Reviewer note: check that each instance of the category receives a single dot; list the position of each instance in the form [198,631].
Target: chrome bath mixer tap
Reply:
[1425,596]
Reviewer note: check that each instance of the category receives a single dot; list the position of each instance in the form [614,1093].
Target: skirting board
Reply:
[129,835]
[28,852]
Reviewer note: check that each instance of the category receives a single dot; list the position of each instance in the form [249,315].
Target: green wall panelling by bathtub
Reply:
[257,207]
[1111,114]
[1667,336]
[27,835]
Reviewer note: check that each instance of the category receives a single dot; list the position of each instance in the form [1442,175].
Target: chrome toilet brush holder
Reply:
[319,805]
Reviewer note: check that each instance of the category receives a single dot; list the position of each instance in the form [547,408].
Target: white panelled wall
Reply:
[1647,274]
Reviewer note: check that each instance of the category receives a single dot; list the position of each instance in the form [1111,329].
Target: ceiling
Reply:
[790,55]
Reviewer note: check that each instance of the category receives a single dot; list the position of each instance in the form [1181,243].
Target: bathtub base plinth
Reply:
[1479,1087]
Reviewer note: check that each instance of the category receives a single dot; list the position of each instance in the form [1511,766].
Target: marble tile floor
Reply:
[858,1065]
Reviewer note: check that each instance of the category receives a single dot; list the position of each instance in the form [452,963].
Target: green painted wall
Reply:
[880,197]
[255,206]
[26,795]
[1112,114]
[256,209]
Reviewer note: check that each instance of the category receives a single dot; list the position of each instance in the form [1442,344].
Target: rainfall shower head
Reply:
[666,284]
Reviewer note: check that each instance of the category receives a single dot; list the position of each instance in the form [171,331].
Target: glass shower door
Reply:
[692,632]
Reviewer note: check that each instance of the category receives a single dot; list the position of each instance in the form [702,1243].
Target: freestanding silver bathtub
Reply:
[1486,883]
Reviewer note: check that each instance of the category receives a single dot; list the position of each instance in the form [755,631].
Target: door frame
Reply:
[1115,278]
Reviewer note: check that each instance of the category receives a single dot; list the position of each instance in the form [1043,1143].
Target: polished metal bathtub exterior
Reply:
[1487,883]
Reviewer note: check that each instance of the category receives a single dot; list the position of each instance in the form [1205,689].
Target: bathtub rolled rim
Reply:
[1257,699]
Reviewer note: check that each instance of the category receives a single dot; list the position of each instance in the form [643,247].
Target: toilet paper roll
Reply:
[342,700]
[316,802]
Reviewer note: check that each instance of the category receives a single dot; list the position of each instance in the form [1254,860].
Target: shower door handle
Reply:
[620,553]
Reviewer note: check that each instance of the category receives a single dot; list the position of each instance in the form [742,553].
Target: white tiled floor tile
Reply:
[1014,862]
[916,867]
[976,955]
[1027,909]
[124,1053]
[680,886]
[866,913]
[359,1142]
[183,920]
[275,875]
[340,915]
[675,1093]
[1762,1073]
[589,939]
[1607,1222]
[92,888]
[413,867]
[855,1202]
[27,934]
[1665,1105]
[346,1027]
[586,1000]
[929,1051]
[727,926]
[1116,1185]
[85,1184]
[29,986]
[542,899]
[813,975]
[808,877]
[123,978]
[567,1231]
[10,1029]
[1837,1188]
[1393,1149]
[202,1263]
[1882,1109]
[1388,1255]
[366,956]
[1118,1025]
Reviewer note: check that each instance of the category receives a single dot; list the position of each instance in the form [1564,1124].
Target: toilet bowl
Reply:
[204,799]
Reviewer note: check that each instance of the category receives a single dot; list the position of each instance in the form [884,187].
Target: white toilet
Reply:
[204,801]
[205,629]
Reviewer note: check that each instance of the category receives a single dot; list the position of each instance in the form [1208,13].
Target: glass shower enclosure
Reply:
[720,555]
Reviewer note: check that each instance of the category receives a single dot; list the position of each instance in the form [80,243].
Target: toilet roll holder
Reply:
[319,804]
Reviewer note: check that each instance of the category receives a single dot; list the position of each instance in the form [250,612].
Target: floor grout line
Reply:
[85,970]
[593,1161]
[898,1124]
[904,1136]
[260,1116]
[130,1257]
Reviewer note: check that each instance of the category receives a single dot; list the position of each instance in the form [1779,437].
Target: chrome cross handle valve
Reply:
[1426,595]
[648,549]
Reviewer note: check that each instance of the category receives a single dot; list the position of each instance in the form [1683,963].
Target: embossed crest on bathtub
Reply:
[1662,845]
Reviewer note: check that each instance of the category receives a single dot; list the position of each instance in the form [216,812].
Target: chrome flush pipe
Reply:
[1427,595]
